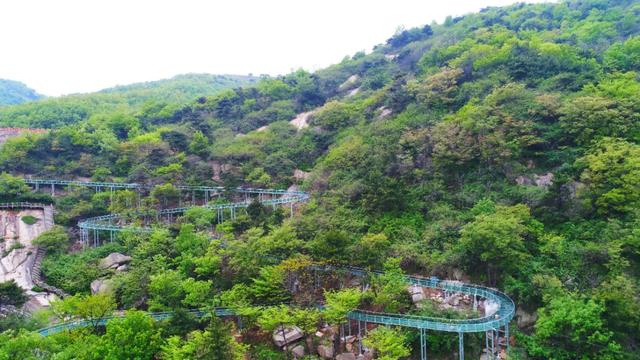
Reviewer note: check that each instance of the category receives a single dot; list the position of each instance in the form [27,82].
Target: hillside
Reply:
[500,148]
[15,92]
[170,93]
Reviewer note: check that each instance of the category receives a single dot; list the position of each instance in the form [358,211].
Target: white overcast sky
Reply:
[65,46]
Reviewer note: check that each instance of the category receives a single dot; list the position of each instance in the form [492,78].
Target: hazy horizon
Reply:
[88,47]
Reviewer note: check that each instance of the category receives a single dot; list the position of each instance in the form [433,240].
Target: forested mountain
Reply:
[169,94]
[501,148]
[15,92]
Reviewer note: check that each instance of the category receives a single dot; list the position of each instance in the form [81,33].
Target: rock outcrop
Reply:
[114,261]
[20,259]
[291,335]
[101,286]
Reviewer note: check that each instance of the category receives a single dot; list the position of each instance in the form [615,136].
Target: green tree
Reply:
[12,188]
[214,343]
[624,56]
[338,305]
[276,318]
[199,143]
[95,307]
[55,239]
[390,287]
[12,294]
[389,343]
[371,248]
[26,345]
[307,320]
[268,287]
[133,337]
[201,217]
[612,168]
[497,242]
[591,118]
[571,327]
[166,195]
[166,290]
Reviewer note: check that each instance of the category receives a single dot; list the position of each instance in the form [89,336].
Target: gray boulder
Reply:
[298,351]
[114,260]
[325,351]
[291,334]
[346,356]
[101,286]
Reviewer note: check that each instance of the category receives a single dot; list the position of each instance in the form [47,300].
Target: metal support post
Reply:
[493,345]
[53,189]
[506,336]
[497,341]
[359,337]
[423,344]
[461,345]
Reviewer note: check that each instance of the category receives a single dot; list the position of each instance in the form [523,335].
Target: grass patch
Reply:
[29,220]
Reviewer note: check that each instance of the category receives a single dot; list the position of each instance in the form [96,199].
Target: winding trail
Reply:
[492,324]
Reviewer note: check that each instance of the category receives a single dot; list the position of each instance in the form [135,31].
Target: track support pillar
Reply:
[461,345]
[423,344]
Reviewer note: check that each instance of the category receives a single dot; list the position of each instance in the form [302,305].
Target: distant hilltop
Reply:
[10,132]
[14,92]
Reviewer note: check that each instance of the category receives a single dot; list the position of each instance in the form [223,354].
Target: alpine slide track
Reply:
[495,325]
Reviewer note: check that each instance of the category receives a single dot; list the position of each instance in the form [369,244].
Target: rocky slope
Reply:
[17,252]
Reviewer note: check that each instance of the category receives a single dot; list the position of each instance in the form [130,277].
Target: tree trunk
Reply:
[310,347]
[284,338]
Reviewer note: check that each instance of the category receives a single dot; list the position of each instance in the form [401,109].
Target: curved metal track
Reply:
[490,324]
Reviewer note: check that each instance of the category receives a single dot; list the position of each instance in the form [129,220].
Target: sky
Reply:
[71,46]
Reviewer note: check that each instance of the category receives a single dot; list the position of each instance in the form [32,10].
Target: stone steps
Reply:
[36,275]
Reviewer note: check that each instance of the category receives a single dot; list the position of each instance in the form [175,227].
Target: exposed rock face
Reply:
[16,249]
[525,319]
[417,295]
[353,92]
[543,180]
[301,121]
[346,356]
[114,261]
[298,351]
[8,133]
[349,82]
[291,334]
[300,175]
[384,112]
[38,301]
[101,286]
[325,351]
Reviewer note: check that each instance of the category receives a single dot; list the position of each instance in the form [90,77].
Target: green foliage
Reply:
[611,171]
[340,303]
[572,327]
[12,188]
[133,337]
[75,272]
[29,220]
[389,343]
[624,56]
[214,343]
[463,139]
[497,241]
[390,288]
[268,287]
[156,97]
[12,294]
[55,239]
